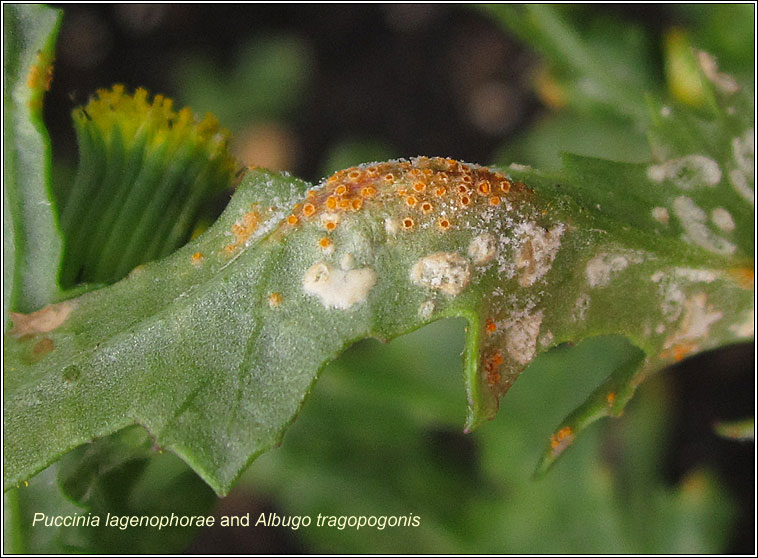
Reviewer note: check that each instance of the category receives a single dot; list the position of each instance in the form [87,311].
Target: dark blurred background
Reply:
[310,89]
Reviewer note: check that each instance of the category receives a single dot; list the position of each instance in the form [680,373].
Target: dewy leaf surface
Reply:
[31,241]
[214,348]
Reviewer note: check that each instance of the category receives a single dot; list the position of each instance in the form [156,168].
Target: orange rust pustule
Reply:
[242,229]
[680,351]
[561,440]
[41,73]
[491,365]
[415,187]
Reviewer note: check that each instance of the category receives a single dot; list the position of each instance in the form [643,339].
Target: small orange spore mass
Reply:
[561,440]
[274,299]
[491,365]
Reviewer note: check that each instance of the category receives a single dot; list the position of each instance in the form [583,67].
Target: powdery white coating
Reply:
[688,173]
[521,332]
[338,288]
[697,321]
[426,309]
[347,262]
[600,268]
[696,275]
[670,288]
[743,150]
[391,226]
[538,250]
[722,219]
[665,111]
[740,182]
[661,214]
[743,177]
[448,272]
[547,339]
[693,220]
[746,328]
[520,167]
[483,249]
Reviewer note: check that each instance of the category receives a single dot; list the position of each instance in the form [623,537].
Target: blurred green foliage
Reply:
[266,80]
[380,435]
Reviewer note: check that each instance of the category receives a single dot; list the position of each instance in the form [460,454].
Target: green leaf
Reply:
[599,62]
[214,348]
[31,240]
[267,81]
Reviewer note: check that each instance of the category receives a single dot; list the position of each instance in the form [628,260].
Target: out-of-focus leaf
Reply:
[600,62]
[593,135]
[266,80]
[743,430]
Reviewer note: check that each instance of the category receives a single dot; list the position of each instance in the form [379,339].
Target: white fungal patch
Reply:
[547,339]
[347,262]
[600,269]
[483,249]
[521,332]
[746,328]
[665,111]
[391,226]
[520,167]
[661,214]
[693,220]
[722,219]
[660,329]
[695,275]
[688,173]
[696,322]
[743,177]
[448,272]
[670,289]
[742,186]
[338,288]
[743,150]
[426,309]
[538,250]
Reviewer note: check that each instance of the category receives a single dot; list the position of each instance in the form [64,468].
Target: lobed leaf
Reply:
[214,348]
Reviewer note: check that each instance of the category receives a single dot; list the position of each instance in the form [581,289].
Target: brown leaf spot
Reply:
[42,321]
